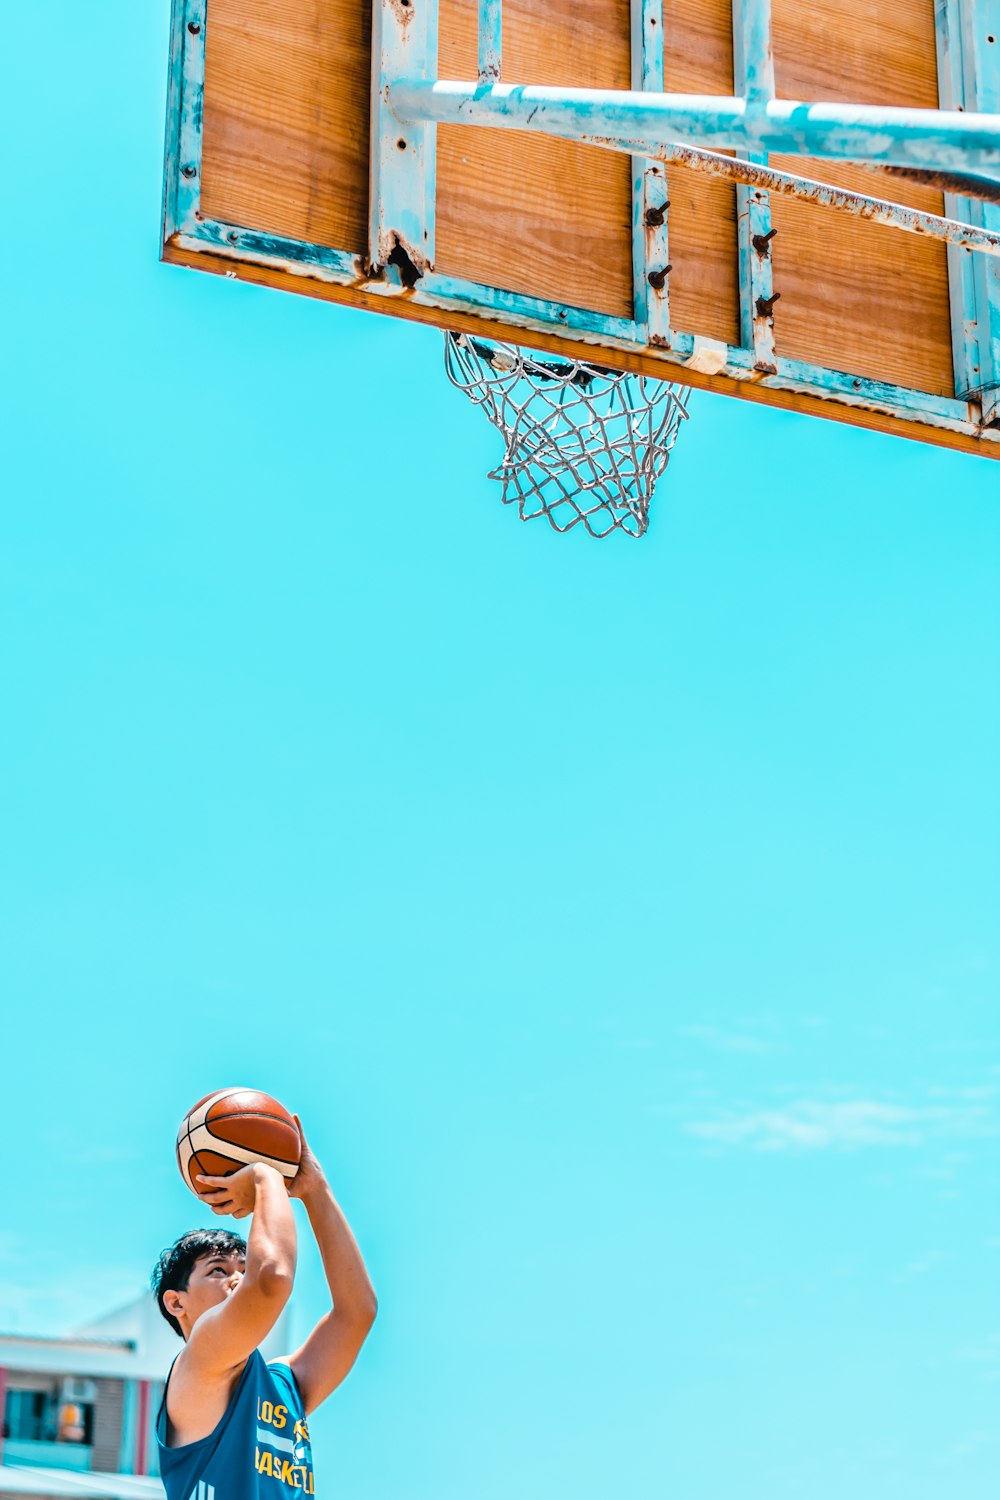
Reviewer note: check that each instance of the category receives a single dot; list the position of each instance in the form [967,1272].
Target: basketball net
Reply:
[583,443]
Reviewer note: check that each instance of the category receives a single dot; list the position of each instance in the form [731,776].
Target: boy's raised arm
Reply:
[331,1349]
[227,1335]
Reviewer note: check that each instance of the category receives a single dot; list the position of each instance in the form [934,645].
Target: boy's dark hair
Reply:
[172,1271]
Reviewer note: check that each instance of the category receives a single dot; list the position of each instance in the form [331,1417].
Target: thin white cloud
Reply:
[725,1041]
[818,1125]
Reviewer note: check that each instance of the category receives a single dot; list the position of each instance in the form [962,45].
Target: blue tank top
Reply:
[259,1450]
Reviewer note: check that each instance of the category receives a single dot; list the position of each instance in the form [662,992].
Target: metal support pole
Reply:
[968,37]
[841,132]
[753,67]
[650,252]
[490,40]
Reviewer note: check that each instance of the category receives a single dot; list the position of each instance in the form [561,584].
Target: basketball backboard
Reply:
[287,165]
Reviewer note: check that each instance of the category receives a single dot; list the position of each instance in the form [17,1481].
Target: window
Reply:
[30,1416]
[41,1417]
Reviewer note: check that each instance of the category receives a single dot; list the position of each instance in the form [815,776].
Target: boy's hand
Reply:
[310,1174]
[235,1194]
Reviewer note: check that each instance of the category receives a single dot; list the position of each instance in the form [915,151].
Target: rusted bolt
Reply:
[656,216]
[233,237]
[658,279]
[762,242]
[194,27]
[401,144]
[765,305]
[189,171]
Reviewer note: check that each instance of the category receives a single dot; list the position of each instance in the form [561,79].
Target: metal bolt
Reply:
[762,242]
[765,305]
[658,279]
[656,216]
[189,171]
[194,27]
[401,144]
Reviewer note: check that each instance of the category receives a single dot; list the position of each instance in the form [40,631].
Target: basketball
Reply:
[234,1128]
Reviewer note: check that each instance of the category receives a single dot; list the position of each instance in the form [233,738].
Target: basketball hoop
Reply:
[583,443]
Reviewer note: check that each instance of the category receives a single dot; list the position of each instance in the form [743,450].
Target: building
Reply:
[79,1412]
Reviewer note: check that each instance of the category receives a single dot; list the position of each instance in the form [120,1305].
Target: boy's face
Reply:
[214,1277]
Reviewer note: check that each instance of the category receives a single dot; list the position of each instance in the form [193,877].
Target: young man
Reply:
[232,1426]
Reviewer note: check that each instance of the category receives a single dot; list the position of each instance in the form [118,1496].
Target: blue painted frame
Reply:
[969,76]
[403,192]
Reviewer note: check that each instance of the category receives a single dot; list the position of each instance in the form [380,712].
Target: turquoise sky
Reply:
[621,918]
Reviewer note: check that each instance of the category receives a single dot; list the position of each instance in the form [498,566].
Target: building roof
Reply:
[63,1484]
[133,1342]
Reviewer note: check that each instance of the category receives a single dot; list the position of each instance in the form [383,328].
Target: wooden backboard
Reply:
[268,179]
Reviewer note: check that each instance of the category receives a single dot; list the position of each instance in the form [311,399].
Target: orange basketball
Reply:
[231,1129]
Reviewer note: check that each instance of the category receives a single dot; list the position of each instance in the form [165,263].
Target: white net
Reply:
[583,443]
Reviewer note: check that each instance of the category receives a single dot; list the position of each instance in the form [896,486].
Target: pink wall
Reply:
[142,1429]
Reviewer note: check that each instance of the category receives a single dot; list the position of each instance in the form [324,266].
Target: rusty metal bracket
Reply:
[968,43]
[403,164]
[650,203]
[753,69]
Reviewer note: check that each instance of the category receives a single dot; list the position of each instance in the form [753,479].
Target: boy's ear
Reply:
[174,1303]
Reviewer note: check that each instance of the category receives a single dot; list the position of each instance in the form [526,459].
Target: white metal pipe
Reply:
[853,132]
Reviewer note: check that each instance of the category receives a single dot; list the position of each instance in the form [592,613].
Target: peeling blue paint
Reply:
[753,67]
[650,194]
[403,154]
[191,103]
[490,40]
[969,77]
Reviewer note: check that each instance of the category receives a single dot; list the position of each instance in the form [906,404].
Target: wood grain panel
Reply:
[857,296]
[287,85]
[856,51]
[542,217]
